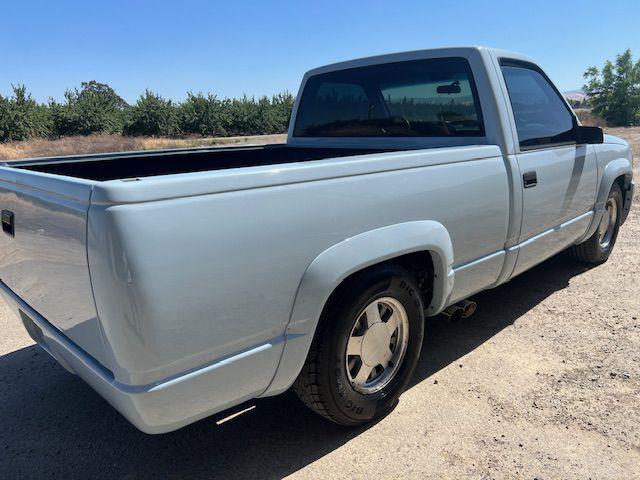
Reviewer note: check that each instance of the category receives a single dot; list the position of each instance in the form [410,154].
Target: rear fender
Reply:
[334,265]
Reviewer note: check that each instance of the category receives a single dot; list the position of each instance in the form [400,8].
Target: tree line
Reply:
[96,108]
[613,93]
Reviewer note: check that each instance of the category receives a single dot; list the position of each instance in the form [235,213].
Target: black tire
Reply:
[591,250]
[323,383]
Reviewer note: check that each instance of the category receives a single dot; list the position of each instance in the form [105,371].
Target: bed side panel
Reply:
[183,282]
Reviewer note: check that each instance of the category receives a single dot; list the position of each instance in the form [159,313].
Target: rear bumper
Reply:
[160,407]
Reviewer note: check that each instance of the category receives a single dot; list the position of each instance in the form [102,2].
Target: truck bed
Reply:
[43,259]
[166,162]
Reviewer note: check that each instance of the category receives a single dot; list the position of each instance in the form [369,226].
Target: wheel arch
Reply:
[329,270]
[616,171]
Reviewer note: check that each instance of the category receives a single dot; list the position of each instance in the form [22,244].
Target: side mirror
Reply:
[589,135]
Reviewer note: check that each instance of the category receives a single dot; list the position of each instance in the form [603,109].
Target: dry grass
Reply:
[116,143]
[588,118]
[630,134]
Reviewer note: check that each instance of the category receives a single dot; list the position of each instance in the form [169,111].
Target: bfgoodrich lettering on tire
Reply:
[366,347]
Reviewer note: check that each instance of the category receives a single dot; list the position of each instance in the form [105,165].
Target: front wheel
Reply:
[599,246]
[366,348]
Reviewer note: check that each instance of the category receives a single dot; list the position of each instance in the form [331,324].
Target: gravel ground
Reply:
[543,382]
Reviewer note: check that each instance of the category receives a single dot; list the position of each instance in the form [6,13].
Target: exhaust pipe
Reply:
[468,307]
[453,313]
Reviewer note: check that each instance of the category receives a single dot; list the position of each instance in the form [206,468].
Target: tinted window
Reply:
[541,115]
[420,98]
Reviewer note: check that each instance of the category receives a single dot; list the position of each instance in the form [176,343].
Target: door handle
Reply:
[7,222]
[530,179]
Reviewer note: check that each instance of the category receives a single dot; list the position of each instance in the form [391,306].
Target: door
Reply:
[558,176]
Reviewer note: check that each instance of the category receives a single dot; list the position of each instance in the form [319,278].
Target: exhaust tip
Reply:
[453,313]
[468,308]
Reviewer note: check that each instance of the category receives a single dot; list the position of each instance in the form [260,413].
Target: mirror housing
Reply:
[589,135]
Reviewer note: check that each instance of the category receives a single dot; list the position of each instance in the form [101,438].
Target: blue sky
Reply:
[235,47]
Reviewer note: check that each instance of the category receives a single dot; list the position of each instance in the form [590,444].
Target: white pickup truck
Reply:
[181,283]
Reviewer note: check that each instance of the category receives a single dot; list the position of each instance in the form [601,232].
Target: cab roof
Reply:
[461,51]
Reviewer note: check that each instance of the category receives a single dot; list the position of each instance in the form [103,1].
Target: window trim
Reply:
[482,132]
[512,62]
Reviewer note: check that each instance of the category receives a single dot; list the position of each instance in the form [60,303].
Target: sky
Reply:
[258,48]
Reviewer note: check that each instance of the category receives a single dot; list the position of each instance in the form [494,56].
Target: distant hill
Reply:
[575,95]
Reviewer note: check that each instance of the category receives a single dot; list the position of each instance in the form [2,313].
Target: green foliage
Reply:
[152,115]
[211,116]
[21,117]
[205,116]
[281,106]
[97,108]
[614,91]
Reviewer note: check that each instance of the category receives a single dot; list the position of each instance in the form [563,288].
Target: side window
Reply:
[417,98]
[541,116]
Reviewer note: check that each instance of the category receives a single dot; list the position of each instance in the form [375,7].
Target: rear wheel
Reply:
[366,348]
[600,245]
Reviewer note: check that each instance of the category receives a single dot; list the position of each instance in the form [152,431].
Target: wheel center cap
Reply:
[375,344]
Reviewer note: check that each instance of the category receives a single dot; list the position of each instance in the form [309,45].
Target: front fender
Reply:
[614,169]
[331,267]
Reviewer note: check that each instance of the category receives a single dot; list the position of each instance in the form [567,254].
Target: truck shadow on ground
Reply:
[54,425]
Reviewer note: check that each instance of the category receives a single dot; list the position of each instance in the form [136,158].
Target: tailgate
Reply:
[43,253]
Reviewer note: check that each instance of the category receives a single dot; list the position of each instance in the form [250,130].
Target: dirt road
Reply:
[543,382]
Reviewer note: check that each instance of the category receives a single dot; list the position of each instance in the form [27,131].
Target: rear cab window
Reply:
[541,116]
[417,98]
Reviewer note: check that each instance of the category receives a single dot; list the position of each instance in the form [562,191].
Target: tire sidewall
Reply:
[616,194]
[355,405]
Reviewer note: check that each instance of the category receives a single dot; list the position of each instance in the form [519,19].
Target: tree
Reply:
[152,115]
[282,104]
[614,91]
[203,115]
[21,117]
[95,108]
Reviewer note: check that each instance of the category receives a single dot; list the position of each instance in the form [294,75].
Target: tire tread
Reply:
[312,385]
[309,386]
